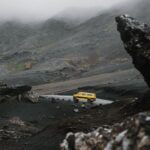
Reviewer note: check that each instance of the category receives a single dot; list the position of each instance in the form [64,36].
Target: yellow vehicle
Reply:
[90,97]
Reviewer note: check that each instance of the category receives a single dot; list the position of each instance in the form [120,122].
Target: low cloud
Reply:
[37,10]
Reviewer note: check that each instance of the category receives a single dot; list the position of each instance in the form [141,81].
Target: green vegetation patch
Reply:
[19,66]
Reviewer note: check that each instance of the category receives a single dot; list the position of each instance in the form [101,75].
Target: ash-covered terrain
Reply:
[108,54]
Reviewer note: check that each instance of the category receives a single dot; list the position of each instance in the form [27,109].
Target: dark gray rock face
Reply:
[14,90]
[136,39]
[19,93]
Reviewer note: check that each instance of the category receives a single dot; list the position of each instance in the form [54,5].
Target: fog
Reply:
[37,10]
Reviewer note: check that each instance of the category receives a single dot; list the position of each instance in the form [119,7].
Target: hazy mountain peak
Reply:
[77,15]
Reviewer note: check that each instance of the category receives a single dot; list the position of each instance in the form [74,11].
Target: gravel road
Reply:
[70,98]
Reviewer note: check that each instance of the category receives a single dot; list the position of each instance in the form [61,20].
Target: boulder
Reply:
[17,93]
[136,38]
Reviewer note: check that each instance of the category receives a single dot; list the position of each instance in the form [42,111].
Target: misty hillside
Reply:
[55,50]
[78,15]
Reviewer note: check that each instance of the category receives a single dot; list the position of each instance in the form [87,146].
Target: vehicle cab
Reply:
[90,97]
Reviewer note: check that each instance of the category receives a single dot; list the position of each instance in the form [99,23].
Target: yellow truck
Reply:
[90,97]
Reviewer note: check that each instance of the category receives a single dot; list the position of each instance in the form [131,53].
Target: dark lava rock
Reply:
[136,39]
[131,134]
[15,90]
[20,93]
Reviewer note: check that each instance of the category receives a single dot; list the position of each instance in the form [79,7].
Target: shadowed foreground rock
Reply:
[131,134]
[14,128]
[136,39]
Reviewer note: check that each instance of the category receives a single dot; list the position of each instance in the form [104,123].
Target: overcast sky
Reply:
[44,9]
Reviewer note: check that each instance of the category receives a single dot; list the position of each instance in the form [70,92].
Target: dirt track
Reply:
[115,78]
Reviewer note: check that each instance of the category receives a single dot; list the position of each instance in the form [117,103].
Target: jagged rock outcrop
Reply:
[19,93]
[136,39]
[131,134]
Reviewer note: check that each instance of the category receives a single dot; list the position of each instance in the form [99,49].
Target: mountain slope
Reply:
[54,50]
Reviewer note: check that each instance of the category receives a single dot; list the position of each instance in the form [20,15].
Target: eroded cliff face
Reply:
[136,39]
